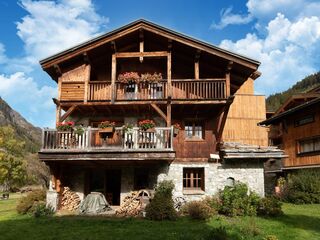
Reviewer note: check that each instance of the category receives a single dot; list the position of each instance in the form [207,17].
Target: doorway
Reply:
[113,186]
[107,182]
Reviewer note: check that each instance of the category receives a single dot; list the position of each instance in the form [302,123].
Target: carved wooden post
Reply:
[113,77]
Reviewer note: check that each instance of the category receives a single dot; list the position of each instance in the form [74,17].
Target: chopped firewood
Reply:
[134,203]
[69,200]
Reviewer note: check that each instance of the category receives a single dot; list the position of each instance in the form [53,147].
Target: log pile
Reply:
[134,203]
[70,200]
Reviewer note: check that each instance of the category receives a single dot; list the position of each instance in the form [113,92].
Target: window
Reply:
[194,130]
[309,145]
[304,120]
[193,179]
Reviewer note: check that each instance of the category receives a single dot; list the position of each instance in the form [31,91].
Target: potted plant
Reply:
[176,128]
[147,125]
[65,126]
[129,77]
[78,130]
[106,127]
[151,78]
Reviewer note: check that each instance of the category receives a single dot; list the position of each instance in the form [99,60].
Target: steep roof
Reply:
[150,26]
[291,111]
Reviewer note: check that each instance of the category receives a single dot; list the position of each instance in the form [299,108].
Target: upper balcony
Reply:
[182,90]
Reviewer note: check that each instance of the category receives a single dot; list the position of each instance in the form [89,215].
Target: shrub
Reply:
[27,203]
[219,233]
[235,201]
[199,210]
[41,210]
[270,206]
[161,206]
[303,187]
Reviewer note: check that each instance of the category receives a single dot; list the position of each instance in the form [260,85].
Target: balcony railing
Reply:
[182,89]
[135,140]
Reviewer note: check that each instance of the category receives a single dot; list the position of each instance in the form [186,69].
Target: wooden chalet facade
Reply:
[198,86]
[295,128]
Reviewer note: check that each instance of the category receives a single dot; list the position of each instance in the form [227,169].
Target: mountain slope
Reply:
[276,100]
[25,131]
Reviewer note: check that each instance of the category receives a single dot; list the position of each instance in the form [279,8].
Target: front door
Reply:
[113,186]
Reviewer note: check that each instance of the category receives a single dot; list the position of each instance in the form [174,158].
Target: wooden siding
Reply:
[241,125]
[188,149]
[72,91]
[293,134]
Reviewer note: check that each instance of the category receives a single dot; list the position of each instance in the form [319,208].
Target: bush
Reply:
[199,210]
[161,206]
[28,203]
[219,233]
[303,187]
[235,201]
[270,206]
[41,210]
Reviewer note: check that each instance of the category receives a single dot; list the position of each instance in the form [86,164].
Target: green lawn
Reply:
[299,222]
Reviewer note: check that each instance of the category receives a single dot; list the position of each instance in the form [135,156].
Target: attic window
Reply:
[304,120]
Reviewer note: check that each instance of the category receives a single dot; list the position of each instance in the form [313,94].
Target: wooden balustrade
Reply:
[134,140]
[182,89]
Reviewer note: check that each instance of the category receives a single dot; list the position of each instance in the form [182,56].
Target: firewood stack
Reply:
[70,200]
[134,203]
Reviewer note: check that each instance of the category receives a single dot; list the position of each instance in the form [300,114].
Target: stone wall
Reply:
[216,175]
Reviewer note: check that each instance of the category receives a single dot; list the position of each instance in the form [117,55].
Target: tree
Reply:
[12,165]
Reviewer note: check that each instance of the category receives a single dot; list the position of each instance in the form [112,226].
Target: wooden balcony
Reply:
[159,140]
[181,90]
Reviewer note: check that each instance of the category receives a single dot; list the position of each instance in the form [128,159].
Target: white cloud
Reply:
[52,26]
[28,98]
[287,52]
[48,27]
[228,18]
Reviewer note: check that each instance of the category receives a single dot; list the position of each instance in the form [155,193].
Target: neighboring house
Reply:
[295,128]
[208,91]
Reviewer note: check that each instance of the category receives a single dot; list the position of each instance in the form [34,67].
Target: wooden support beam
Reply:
[222,119]
[169,75]
[169,45]
[114,46]
[57,69]
[141,54]
[196,70]
[228,72]
[86,58]
[141,44]
[158,110]
[86,82]
[168,114]
[59,88]
[58,114]
[68,113]
[113,77]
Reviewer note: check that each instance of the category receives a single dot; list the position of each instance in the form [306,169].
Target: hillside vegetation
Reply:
[276,100]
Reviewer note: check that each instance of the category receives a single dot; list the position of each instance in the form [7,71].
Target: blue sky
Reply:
[284,35]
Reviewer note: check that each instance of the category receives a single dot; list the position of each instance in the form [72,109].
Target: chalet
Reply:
[154,104]
[295,128]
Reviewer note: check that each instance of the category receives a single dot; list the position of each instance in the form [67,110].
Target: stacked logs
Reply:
[134,203]
[70,200]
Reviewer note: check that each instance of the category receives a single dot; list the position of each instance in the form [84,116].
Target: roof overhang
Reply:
[289,112]
[152,27]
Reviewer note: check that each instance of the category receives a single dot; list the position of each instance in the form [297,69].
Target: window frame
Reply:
[314,141]
[310,118]
[192,180]
[194,124]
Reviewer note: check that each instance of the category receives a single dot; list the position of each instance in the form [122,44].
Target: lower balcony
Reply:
[94,139]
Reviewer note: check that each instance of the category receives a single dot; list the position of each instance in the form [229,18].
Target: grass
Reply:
[299,222]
